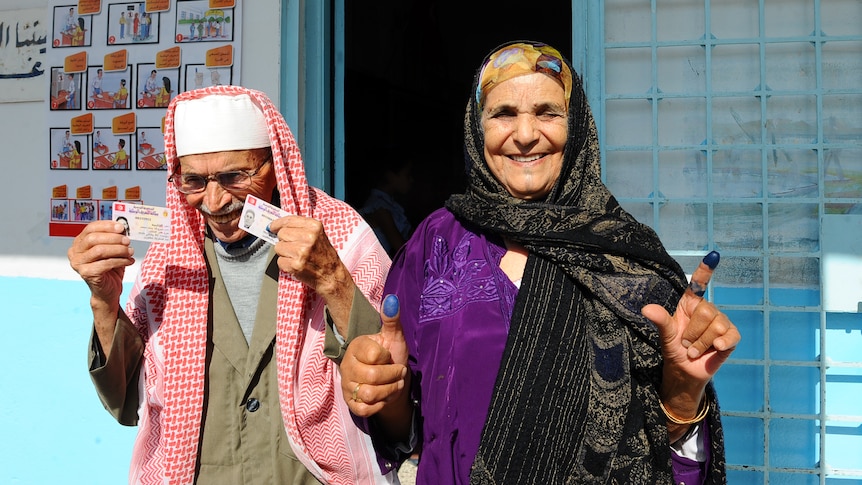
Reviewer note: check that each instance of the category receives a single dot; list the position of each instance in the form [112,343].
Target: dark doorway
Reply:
[409,69]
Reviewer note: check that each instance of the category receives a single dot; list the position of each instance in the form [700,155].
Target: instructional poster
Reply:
[113,68]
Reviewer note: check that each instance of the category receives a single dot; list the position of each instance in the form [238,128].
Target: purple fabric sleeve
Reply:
[689,472]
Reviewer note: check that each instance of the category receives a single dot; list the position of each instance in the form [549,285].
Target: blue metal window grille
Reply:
[736,125]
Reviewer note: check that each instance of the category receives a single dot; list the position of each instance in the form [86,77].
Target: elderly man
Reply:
[221,353]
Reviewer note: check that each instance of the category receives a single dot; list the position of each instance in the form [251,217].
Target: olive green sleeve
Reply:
[116,380]
[364,320]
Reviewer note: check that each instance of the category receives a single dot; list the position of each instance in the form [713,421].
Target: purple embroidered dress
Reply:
[452,290]
[453,278]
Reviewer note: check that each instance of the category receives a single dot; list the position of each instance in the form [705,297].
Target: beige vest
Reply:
[243,439]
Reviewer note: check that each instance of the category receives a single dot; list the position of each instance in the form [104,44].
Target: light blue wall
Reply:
[54,429]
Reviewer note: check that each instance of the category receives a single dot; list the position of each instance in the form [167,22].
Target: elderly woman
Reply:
[535,313]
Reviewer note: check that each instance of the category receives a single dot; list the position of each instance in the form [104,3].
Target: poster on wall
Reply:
[112,68]
[23,47]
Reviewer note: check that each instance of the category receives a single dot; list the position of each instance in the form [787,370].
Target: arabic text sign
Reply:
[23,39]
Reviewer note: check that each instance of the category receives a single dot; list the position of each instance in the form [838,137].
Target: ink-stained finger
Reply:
[700,277]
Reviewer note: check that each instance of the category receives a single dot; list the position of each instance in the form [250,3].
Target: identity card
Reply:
[256,216]
[144,222]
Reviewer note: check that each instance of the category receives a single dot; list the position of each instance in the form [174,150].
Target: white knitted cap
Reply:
[219,123]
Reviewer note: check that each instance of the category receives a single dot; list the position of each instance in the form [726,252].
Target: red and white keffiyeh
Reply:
[169,304]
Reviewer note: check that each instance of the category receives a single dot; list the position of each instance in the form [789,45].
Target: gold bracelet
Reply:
[704,410]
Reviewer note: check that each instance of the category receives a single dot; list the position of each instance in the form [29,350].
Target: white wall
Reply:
[25,248]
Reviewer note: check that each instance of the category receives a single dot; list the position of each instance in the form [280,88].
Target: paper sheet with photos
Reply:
[112,69]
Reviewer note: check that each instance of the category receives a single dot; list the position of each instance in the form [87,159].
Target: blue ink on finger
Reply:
[390,306]
[696,288]
[712,259]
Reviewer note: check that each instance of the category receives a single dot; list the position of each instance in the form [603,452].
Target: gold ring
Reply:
[355,390]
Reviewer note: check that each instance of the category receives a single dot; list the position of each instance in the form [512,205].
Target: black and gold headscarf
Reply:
[576,397]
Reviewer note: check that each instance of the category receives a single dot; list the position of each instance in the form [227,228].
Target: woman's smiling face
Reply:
[525,123]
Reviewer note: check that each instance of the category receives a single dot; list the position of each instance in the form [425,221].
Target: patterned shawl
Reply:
[576,397]
[169,307]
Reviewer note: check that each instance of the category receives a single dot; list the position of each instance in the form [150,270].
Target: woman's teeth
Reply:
[526,159]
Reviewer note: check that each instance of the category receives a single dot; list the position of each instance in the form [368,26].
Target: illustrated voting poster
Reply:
[112,68]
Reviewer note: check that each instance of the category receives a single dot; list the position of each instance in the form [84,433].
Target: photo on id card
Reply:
[256,217]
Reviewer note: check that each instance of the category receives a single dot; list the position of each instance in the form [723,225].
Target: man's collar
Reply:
[243,243]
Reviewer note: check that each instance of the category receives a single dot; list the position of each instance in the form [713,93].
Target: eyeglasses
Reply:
[234,180]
